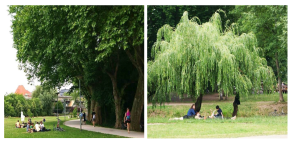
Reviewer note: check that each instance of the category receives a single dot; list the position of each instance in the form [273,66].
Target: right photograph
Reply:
[217,71]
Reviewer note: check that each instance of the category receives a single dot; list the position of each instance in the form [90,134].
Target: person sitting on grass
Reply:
[219,115]
[44,120]
[190,114]
[28,126]
[31,128]
[18,124]
[42,126]
[37,127]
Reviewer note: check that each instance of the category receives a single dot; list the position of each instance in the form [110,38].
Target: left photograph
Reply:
[74,72]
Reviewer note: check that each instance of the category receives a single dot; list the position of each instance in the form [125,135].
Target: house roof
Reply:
[21,90]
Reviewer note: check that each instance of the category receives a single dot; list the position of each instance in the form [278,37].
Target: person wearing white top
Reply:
[37,127]
[41,126]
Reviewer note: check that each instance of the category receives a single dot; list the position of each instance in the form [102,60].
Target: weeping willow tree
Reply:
[192,56]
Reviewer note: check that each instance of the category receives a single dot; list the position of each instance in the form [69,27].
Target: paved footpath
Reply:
[119,132]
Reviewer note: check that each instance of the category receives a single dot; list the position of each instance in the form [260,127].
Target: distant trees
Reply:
[41,103]
[269,24]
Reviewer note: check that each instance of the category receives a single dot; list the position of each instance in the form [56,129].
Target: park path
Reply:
[119,132]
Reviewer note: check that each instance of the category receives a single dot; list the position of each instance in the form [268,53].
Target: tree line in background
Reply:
[99,46]
[41,104]
[267,24]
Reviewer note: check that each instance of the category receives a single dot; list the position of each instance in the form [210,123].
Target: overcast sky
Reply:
[11,77]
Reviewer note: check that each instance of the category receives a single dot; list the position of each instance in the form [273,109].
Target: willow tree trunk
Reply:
[279,79]
[236,102]
[198,103]
[235,109]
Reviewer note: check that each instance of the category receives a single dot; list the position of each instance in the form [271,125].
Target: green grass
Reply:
[11,132]
[252,119]
[216,128]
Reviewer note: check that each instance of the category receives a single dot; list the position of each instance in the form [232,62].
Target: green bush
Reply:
[75,112]
[29,113]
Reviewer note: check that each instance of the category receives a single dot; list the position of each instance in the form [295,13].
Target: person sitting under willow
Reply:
[190,114]
[219,115]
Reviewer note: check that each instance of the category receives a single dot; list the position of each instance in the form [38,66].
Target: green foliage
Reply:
[58,105]
[269,24]
[29,113]
[161,15]
[37,92]
[75,112]
[193,56]
[8,109]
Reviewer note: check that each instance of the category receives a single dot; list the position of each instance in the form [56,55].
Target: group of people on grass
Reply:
[193,114]
[30,127]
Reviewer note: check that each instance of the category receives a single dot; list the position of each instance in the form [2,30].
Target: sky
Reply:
[11,77]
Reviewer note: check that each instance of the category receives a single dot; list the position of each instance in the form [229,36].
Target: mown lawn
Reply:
[216,128]
[11,132]
[252,119]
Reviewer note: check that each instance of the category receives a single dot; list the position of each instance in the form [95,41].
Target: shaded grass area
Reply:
[11,132]
[216,128]
[252,119]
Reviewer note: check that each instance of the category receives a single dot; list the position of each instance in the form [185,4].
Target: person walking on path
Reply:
[93,117]
[127,119]
[84,120]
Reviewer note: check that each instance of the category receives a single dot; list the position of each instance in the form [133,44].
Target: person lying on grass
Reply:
[219,115]
[190,114]
[18,124]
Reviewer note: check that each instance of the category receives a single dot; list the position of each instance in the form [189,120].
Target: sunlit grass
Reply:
[11,132]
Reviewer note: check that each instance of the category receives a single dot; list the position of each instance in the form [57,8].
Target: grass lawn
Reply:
[11,132]
[216,128]
[252,119]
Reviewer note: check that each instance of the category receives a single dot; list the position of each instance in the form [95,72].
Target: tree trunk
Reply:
[226,96]
[98,119]
[138,61]
[91,109]
[198,103]
[279,79]
[236,102]
[138,105]
[117,101]
[235,109]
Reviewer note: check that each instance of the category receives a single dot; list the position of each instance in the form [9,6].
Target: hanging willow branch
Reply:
[192,56]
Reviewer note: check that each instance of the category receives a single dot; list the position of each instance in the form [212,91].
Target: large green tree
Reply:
[193,55]
[269,24]
[68,44]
